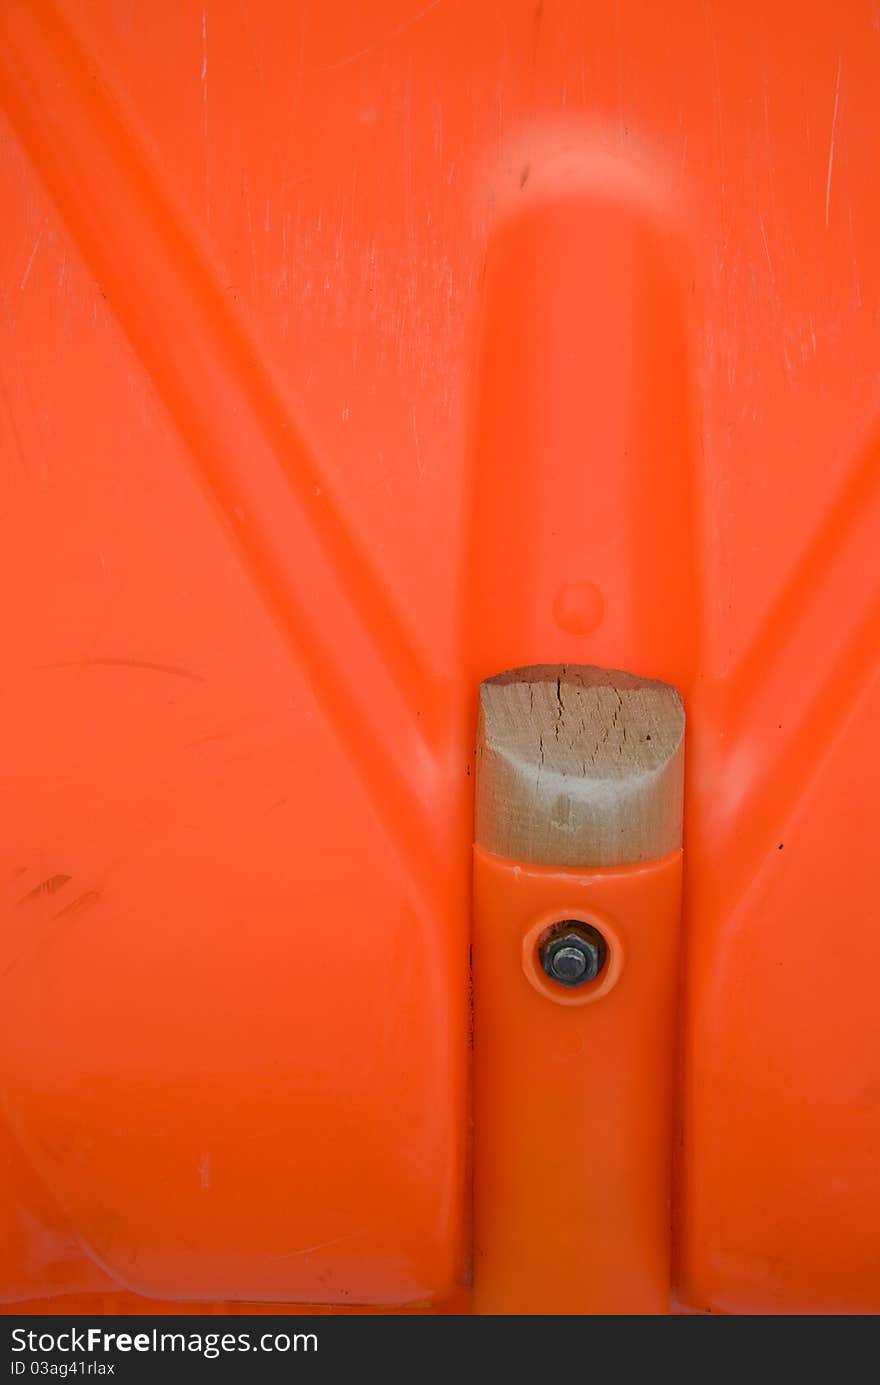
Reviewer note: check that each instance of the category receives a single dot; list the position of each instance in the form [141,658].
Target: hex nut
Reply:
[573,953]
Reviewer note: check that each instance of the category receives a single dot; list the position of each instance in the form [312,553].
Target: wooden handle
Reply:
[579,766]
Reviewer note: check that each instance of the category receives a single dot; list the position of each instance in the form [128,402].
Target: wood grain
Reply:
[579,766]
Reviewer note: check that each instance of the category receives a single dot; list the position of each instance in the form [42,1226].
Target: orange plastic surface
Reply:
[573,1092]
[351,353]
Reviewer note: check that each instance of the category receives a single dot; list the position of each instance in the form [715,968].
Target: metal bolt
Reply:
[568,965]
[573,953]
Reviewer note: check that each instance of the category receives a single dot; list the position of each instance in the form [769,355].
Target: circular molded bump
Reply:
[578,608]
[539,939]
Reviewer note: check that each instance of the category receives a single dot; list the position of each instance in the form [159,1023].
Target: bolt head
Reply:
[573,954]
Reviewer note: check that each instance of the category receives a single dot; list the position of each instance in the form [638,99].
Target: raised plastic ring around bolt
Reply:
[591,990]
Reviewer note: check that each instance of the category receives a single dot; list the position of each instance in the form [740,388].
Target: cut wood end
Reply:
[579,766]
